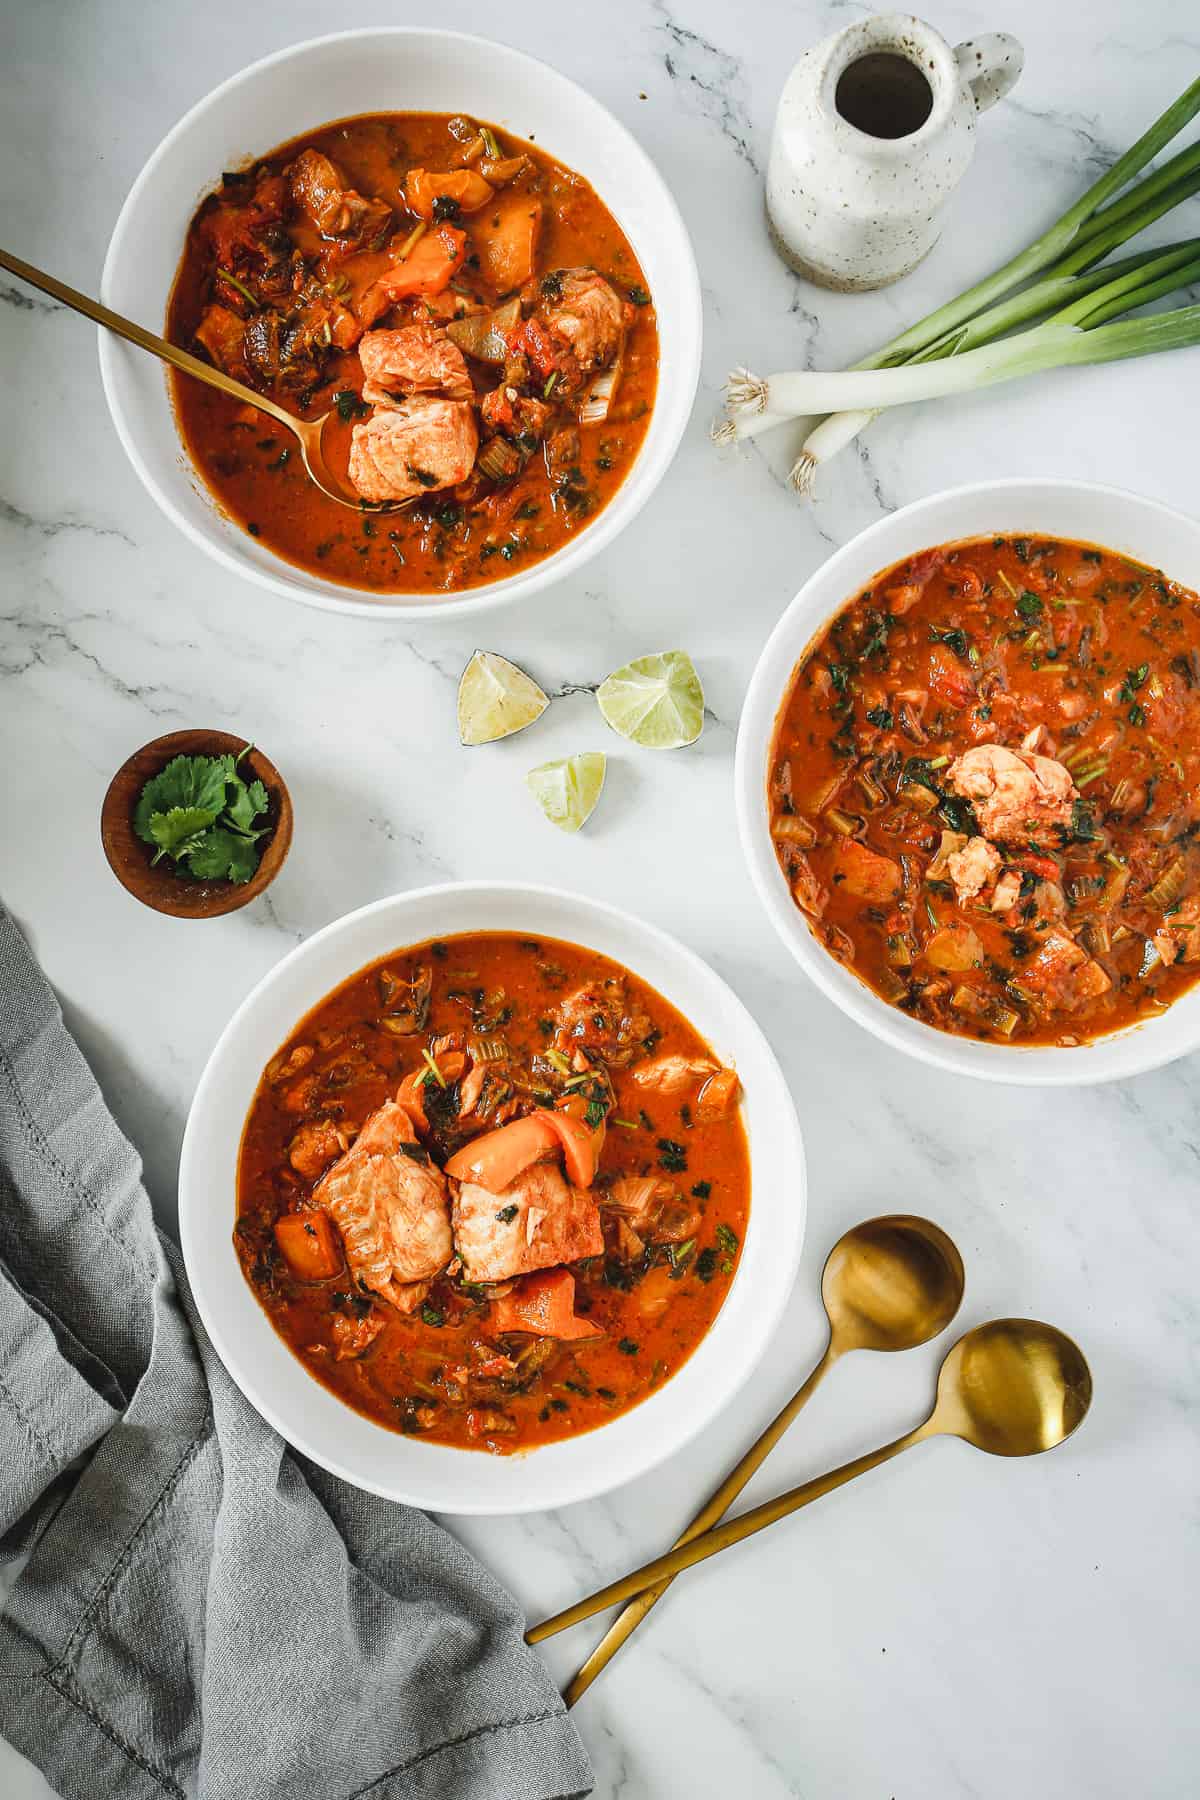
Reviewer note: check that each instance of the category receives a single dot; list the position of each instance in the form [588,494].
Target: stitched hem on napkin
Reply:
[90,1757]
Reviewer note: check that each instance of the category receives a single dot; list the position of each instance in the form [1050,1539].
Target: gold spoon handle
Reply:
[628,1621]
[137,334]
[722,1536]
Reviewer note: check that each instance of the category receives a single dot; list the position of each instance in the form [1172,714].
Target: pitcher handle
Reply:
[990,65]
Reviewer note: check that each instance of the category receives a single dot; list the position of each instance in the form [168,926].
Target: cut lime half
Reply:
[495,698]
[567,791]
[657,701]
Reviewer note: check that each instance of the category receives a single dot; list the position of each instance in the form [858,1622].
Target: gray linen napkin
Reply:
[204,1612]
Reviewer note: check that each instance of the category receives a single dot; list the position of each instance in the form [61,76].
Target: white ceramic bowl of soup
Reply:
[400,69]
[436,1476]
[1083,511]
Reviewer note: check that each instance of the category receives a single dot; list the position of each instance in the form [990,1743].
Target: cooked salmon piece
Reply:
[972,867]
[601,1020]
[318,189]
[673,1074]
[1017,794]
[1062,974]
[352,1335]
[1008,891]
[535,1223]
[314,1147]
[416,448]
[388,1200]
[640,1199]
[583,308]
[866,873]
[415,360]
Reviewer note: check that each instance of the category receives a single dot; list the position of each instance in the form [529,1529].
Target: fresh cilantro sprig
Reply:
[201,813]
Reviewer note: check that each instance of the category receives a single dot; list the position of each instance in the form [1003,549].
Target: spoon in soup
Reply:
[1012,1387]
[307,432]
[889,1284]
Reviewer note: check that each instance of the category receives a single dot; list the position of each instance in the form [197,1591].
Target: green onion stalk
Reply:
[1065,259]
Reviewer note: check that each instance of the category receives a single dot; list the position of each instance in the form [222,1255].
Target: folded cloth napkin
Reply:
[203,1612]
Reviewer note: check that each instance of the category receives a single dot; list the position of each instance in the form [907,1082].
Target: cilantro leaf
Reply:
[223,855]
[179,831]
[247,803]
[199,811]
[212,773]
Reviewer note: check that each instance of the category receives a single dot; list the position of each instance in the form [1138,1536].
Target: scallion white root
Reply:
[1052,345]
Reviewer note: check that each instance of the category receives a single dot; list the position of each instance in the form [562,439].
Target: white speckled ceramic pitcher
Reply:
[875,128]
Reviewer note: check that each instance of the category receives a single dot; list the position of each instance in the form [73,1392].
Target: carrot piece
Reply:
[423,186]
[411,1096]
[581,1146]
[429,264]
[544,1304]
[498,1157]
[310,1245]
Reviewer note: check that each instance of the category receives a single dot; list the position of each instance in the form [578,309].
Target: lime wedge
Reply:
[495,698]
[567,791]
[655,700]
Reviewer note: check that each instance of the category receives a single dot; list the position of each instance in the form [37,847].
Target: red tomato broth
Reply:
[650,1312]
[960,649]
[457,538]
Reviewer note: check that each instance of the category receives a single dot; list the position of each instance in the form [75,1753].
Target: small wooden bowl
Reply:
[158,884]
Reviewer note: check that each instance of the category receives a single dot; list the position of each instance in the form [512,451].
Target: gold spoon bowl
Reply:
[1013,1387]
[889,1284]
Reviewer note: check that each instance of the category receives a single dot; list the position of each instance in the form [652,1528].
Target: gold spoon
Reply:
[889,1284]
[1012,1387]
[306,432]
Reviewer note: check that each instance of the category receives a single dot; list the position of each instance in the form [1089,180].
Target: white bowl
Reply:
[1042,508]
[433,1475]
[384,70]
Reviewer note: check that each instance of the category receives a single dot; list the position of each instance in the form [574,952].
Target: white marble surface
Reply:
[951,1626]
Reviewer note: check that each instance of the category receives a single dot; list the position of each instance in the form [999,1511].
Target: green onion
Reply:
[243,290]
[1064,257]
[1056,344]
[433,1069]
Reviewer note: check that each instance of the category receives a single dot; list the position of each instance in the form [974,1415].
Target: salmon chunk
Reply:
[601,1020]
[415,360]
[318,190]
[1063,975]
[582,307]
[389,1202]
[972,867]
[535,1223]
[673,1074]
[1016,793]
[865,873]
[412,449]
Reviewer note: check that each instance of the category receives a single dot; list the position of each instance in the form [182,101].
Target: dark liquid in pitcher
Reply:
[884,96]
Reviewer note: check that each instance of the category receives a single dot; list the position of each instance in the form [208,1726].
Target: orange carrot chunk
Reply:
[581,1146]
[464,187]
[496,1159]
[310,1245]
[544,1304]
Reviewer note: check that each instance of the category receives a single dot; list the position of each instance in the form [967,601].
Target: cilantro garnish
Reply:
[1030,607]
[201,813]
